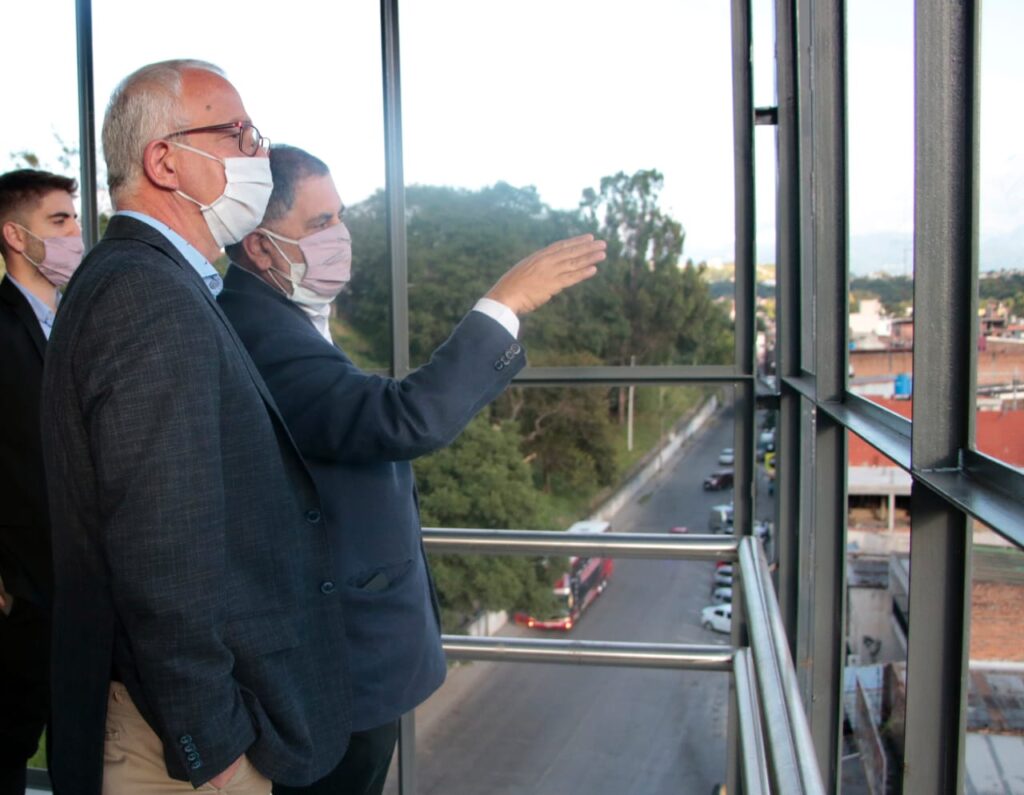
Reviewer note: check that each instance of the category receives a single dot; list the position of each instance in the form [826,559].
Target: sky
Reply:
[554,94]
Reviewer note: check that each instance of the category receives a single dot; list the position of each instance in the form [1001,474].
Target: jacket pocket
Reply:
[254,636]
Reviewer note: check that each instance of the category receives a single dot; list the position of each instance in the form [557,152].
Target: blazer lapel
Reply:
[125,227]
[12,296]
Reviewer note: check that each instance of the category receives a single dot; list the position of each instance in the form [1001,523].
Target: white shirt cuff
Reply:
[500,312]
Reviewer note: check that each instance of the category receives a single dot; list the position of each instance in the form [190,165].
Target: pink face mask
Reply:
[61,257]
[328,265]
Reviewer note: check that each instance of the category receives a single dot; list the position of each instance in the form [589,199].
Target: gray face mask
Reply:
[240,208]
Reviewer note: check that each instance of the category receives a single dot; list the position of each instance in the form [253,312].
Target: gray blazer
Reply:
[190,556]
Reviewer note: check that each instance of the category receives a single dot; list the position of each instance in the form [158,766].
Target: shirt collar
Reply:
[191,254]
[43,313]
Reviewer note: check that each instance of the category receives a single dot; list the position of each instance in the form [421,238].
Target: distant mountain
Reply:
[894,253]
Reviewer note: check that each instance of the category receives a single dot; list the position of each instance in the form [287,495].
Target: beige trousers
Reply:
[133,758]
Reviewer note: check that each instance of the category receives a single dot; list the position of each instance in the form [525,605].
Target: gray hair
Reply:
[145,106]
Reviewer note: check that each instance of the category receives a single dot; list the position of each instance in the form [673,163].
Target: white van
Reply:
[720,519]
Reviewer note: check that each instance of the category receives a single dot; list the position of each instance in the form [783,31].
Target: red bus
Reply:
[585,580]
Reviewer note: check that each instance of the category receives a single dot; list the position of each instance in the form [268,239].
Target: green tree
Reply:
[459,242]
[665,313]
[481,480]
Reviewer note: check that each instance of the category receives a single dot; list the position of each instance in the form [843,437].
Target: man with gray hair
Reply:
[197,631]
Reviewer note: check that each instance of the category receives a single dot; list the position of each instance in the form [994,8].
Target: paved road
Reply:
[508,729]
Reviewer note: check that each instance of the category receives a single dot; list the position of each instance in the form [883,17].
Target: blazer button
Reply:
[196,765]
[326,587]
[499,365]
[515,349]
[312,516]
[185,739]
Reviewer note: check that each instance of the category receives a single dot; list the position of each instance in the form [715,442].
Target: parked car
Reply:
[726,457]
[717,618]
[720,519]
[723,567]
[679,529]
[721,578]
[719,479]
[722,595]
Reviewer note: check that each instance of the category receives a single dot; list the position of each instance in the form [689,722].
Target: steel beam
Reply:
[394,188]
[89,217]
[787,297]
[945,300]
[827,549]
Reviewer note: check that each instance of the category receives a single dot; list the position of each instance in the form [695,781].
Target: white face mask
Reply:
[240,208]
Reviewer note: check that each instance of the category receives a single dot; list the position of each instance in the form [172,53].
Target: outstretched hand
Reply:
[532,282]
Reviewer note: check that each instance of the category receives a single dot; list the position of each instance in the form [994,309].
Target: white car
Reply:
[726,457]
[717,618]
[722,595]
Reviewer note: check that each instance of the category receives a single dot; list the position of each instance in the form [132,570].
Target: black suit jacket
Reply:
[191,557]
[358,433]
[24,520]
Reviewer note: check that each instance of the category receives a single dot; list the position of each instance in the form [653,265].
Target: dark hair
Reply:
[289,165]
[27,186]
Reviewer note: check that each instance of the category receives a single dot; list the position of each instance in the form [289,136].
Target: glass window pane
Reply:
[476,732]
[40,127]
[999,424]
[878,590]
[321,92]
[629,116]
[880,143]
[765,319]
[763,52]
[995,684]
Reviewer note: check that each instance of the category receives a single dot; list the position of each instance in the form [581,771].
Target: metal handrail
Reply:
[614,545]
[794,763]
[776,750]
[680,656]
[748,711]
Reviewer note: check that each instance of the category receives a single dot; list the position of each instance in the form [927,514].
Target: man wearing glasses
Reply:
[197,628]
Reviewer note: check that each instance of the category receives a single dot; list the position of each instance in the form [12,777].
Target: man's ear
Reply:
[158,163]
[14,237]
[258,250]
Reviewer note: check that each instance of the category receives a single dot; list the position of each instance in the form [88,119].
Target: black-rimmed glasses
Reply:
[249,139]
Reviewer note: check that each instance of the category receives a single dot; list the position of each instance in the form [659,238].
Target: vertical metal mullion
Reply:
[802,643]
[744,329]
[945,286]
[787,259]
[407,784]
[828,541]
[394,187]
[86,124]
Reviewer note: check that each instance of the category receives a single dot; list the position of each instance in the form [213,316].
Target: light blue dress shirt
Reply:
[43,313]
[201,265]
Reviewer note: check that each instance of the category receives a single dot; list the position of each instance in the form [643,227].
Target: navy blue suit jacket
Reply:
[358,433]
[190,553]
